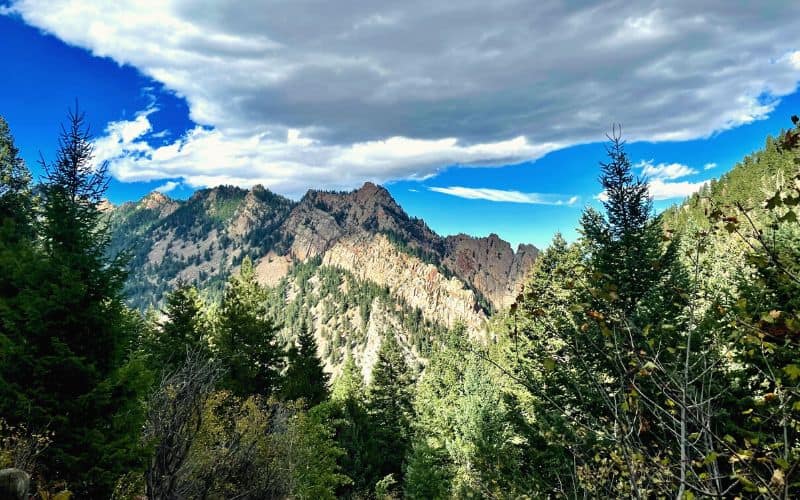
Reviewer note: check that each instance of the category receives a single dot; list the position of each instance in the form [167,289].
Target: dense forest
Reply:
[656,356]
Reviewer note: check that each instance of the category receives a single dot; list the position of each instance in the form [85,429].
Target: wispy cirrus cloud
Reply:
[501,195]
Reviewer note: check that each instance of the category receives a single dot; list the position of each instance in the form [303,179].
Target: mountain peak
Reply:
[154,199]
[374,194]
[370,188]
[105,205]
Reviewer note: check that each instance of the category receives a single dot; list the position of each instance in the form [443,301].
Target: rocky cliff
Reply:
[416,281]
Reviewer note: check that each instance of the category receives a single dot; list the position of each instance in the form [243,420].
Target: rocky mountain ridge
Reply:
[205,237]
[354,266]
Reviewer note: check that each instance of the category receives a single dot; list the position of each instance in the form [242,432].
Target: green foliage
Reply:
[305,378]
[760,316]
[354,432]
[245,337]
[261,449]
[200,234]
[637,362]
[65,329]
[389,403]
[349,385]
[464,438]
[166,341]
[595,330]
[646,362]
[335,293]
[16,199]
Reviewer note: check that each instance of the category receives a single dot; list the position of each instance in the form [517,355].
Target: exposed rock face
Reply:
[421,285]
[159,202]
[322,218]
[489,265]
[204,239]
[354,265]
[271,268]
[105,206]
[352,315]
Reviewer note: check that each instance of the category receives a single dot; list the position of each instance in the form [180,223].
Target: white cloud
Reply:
[327,94]
[207,157]
[709,166]
[794,58]
[661,180]
[664,171]
[505,196]
[167,186]
[661,190]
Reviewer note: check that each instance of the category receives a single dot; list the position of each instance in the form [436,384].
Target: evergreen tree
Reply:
[76,329]
[245,337]
[625,243]
[389,402]
[354,431]
[349,385]
[167,341]
[20,263]
[605,319]
[15,188]
[305,378]
[463,440]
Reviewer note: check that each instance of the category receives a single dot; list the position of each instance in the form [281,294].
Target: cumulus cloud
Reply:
[661,179]
[505,196]
[328,94]
[709,166]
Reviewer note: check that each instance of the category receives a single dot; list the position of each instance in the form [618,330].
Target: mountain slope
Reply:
[204,238]
[749,182]
[354,266]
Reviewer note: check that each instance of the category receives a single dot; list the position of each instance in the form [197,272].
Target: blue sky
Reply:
[471,121]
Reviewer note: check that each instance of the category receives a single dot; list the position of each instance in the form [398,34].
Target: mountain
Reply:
[352,264]
[749,182]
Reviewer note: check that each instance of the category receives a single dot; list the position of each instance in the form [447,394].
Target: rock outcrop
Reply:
[421,285]
[489,265]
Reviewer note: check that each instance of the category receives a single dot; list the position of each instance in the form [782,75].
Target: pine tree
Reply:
[180,330]
[19,264]
[354,432]
[602,327]
[77,326]
[349,385]
[245,337]
[389,402]
[462,444]
[625,243]
[15,188]
[305,377]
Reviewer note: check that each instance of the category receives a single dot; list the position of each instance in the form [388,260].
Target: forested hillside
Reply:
[253,347]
